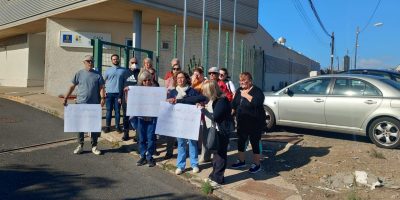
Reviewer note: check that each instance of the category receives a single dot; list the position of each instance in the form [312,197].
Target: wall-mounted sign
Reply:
[81,39]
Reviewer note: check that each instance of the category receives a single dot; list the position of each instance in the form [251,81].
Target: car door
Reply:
[303,103]
[349,104]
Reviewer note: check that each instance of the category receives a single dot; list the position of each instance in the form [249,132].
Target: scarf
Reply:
[181,92]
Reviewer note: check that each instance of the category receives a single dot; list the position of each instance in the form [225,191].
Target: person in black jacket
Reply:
[218,110]
[131,80]
[250,116]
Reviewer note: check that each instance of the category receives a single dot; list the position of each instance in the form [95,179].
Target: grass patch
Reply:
[187,175]
[206,188]
[353,196]
[375,154]
[169,167]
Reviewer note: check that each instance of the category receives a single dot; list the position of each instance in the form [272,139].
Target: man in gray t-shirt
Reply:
[90,91]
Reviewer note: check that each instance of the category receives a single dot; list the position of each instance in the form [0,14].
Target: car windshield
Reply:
[392,83]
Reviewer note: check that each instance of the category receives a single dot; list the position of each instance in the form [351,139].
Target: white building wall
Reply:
[36,59]
[14,65]
[63,62]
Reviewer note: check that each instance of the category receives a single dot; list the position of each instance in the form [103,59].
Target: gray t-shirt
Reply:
[89,83]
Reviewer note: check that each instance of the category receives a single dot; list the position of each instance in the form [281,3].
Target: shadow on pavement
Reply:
[23,182]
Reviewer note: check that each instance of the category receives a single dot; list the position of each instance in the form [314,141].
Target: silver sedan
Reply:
[347,103]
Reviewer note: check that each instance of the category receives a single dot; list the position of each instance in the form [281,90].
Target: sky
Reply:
[379,46]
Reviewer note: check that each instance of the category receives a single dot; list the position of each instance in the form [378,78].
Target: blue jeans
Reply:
[181,159]
[112,104]
[147,137]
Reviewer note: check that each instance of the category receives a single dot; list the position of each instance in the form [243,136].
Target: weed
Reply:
[353,196]
[375,154]
[206,188]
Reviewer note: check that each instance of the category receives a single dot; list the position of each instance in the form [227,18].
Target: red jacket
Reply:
[224,88]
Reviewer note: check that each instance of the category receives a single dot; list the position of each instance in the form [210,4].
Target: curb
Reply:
[195,180]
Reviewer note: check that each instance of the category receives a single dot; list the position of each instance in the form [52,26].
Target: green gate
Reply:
[103,50]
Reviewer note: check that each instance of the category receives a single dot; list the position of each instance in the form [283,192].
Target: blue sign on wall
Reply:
[67,38]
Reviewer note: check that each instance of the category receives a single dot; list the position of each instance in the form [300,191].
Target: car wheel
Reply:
[385,132]
[270,120]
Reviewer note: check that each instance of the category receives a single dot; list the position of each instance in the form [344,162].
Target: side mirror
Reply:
[288,92]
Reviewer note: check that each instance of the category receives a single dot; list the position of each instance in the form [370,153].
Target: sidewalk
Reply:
[239,183]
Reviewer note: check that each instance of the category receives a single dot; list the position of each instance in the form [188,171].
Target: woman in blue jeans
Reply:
[145,126]
[182,91]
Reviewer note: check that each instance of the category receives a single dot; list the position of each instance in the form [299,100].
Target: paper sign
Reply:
[82,118]
[179,120]
[145,101]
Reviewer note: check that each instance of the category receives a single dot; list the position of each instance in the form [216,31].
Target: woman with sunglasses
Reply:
[169,83]
[224,77]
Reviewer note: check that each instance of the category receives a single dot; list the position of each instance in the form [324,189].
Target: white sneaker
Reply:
[96,151]
[178,171]
[78,150]
[196,170]
[213,184]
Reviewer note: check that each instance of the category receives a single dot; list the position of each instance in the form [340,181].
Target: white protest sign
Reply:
[179,120]
[145,101]
[82,118]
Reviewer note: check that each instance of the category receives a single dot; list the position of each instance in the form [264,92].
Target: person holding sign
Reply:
[183,90]
[218,110]
[90,91]
[146,127]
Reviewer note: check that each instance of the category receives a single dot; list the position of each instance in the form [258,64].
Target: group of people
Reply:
[216,96]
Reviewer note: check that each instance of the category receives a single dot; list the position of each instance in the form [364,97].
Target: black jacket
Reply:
[221,115]
[250,113]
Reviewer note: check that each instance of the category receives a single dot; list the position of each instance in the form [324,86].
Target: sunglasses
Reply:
[146,80]
[212,73]
[133,63]
[89,61]
[221,74]
[176,68]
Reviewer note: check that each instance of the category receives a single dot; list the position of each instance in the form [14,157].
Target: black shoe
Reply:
[135,138]
[107,130]
[168,156]
[119,130]
[156,153]
[124,138]
[151,162]
[141,161]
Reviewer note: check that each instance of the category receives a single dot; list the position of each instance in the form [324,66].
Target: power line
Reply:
[306,20]
[318,19]
[370,18]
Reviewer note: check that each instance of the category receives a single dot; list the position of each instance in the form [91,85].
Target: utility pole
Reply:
[338,63]
[355,52]
[332,50]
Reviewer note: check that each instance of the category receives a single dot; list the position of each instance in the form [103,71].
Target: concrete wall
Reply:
[36,44]
[14,63]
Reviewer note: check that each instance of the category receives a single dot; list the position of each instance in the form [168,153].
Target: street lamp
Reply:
[378,24]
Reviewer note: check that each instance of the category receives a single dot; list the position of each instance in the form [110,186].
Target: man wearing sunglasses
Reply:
[90,91]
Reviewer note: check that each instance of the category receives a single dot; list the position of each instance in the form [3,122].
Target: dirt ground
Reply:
[326,165]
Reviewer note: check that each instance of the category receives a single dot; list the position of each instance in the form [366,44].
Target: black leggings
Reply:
[254,137]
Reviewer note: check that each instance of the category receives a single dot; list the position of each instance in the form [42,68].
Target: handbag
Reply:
[212,138]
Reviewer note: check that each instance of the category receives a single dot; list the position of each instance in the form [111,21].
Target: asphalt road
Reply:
[54,172]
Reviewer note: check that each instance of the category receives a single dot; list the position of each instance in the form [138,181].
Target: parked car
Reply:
[393,75]
[348,103]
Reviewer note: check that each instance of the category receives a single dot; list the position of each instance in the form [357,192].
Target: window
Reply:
[311,87]
[354,87]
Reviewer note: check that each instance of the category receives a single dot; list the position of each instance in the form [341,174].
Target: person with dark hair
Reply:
[224,77]
[213,73]
[197,79]
[181,92]
[115,79]
[250,117]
